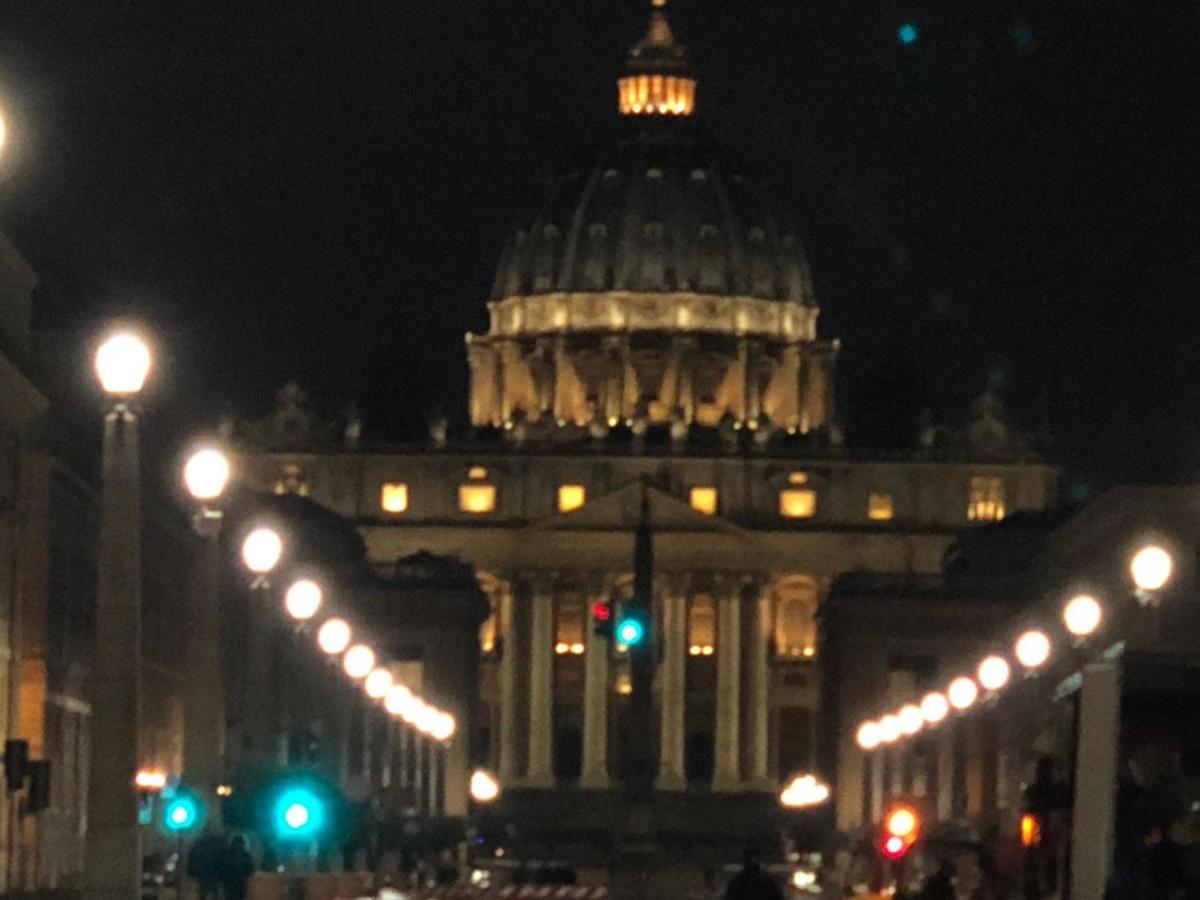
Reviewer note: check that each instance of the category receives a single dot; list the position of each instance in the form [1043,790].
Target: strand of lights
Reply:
[1150,568]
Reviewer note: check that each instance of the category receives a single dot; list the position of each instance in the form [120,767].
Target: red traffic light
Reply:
[894,847]
[601,611]
[901,828]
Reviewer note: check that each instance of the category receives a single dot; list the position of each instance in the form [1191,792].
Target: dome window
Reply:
[708,231]
[757,234]
[597,230]
[654,174]
[611,176]
[550,232]
[698,175]
[652,231]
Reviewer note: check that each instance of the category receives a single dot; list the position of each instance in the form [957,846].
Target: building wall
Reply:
[525,549]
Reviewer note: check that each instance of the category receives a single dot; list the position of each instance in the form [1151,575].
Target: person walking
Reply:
[204,864]
[236,868]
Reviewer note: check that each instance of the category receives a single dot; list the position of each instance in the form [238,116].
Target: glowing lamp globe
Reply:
[443,726]
[484,787]
[359,661]
[934,707]
[397,699]
[261,550]
[206,473]
[378,683]
[889,729]
[303,599]
[992,673]
[333,637]
[414,712]
[1082,615]
[910,718]
[1151,568]
[1032,648]
[868,735]
[962,692]
[122,364]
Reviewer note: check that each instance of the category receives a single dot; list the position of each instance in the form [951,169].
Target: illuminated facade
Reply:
[653,329]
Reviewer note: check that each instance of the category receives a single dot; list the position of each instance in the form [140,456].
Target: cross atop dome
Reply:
[658,79]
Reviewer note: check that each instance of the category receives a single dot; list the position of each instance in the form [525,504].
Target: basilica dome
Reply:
[655,214]
[653,287]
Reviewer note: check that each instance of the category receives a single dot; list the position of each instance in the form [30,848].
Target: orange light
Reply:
[1031,830]
[902,822]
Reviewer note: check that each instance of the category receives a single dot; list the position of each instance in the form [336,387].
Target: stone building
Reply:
[653,332]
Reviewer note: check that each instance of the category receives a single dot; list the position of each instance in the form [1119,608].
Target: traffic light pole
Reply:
[640,756]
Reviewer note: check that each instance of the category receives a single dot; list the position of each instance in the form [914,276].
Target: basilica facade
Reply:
[653,339]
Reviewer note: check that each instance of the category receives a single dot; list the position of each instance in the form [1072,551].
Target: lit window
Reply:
[987,499]
[798,503]
[393,497]
[570,625]
[880,508]
[795,617]
[624,684]
[704,500]
[798,478]
[571,497]
[477,473]
[702,627]
[477,499]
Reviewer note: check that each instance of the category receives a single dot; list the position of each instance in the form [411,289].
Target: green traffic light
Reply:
[630,632]
[299,813]
[181,813]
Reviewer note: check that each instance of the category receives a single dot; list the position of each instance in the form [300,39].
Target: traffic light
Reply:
[602,619]
[631,630]
[901,828]
[298,812]
[182,810]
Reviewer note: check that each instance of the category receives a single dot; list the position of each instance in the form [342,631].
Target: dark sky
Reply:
[319,190]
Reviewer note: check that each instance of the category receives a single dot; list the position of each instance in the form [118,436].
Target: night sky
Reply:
[319,191]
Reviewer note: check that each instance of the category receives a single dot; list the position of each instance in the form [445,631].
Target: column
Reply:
[204,694]
[877,784]
[418,778]
[113,853]
[895,761]
[760,685]
[510,663]
[944,761]
[672,699]
[595,712]
[727,774]
[541,688]
[1094,819]
[435,779]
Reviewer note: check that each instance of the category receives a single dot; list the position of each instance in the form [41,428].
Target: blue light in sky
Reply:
[908,33]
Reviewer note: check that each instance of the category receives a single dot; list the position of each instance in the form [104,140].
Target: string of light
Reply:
[1150,569]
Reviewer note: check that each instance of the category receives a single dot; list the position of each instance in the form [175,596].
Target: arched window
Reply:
[795,617]
[702,626]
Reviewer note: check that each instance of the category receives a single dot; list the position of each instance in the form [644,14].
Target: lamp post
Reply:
[205,475]
[262,550]
[113,858]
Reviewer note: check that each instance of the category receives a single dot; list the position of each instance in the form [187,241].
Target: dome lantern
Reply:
[658,80]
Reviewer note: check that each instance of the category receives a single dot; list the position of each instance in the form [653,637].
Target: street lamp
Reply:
[993,672]
[1032,648]
[889,729]
[1082,615]
[333,636]
[867,736]
[934,707]
[484,788]
[359,661]
[1150,568]
[910,718]
[261,550]
[113,856]
[378,683]
[962,692]
[397,700]
[303,599]
[205,475]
